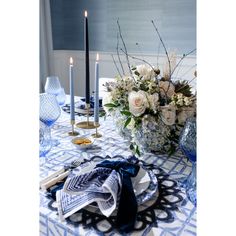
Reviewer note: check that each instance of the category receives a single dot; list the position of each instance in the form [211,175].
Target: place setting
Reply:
[109,188]
[121,159]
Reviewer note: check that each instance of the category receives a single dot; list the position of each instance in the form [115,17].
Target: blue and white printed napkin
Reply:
[100,185]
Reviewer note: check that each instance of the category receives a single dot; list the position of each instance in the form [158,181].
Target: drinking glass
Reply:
[61,97]
[44,139]
[187,144]
[52,85]
[49,112]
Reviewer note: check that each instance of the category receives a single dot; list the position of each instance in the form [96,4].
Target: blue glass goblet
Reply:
[52,85]
[187,144]
[49,111]
[45,143]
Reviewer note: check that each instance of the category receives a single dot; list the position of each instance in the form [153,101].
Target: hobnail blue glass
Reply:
[52,85]
[49,111]
[187,144]
[45,143]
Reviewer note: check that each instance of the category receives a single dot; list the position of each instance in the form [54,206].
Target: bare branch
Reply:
[116,65]
[118,54]
[163,47]
[136,58]
[127,58]
[185,55]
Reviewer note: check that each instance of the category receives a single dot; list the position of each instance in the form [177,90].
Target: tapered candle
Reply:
[86,46]
[96,95]
[72,103]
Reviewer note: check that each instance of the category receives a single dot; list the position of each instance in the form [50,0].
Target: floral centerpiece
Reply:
[150,108]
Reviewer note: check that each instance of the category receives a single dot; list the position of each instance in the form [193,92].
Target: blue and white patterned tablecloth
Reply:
[109,144]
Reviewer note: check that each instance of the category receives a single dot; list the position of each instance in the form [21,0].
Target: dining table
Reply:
[171,214]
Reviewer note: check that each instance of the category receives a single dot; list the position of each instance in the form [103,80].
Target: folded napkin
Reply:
[128,207]
[101,185]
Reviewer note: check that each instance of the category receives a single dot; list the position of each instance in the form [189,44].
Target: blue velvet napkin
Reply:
[128,207]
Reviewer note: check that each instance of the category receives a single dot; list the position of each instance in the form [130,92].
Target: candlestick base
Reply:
[73,133]
[96,135]
[86,125]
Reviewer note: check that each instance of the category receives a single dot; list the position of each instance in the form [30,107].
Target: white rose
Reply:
[107,98]
[153,101]
[137,102]
[168,114]
[146,72]
[185,113]
[166,89]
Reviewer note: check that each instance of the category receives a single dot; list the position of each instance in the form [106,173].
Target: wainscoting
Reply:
[60,66]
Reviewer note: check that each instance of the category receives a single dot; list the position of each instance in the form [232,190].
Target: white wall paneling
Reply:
[107,68]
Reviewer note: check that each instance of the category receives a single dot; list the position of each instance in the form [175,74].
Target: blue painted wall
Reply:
[176,21]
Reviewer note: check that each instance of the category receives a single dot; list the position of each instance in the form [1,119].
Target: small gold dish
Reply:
[83,142]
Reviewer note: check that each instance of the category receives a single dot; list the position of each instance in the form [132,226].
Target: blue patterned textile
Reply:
[183,222]
[101,185]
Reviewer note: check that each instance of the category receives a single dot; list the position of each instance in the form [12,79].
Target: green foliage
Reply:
[102,113]
[135,149]
[111,105]
[127,122]
[126,113]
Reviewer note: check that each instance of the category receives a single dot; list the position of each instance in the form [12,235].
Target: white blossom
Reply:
[145,71]
[137,102]
[154,101]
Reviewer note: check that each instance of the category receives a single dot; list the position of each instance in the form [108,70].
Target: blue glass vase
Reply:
[187,144]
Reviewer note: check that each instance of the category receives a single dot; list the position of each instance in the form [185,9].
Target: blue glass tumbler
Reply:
[45,143]
[187,144]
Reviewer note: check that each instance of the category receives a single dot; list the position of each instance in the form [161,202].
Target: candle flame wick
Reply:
[85,13]
[97,57]
[71,60]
